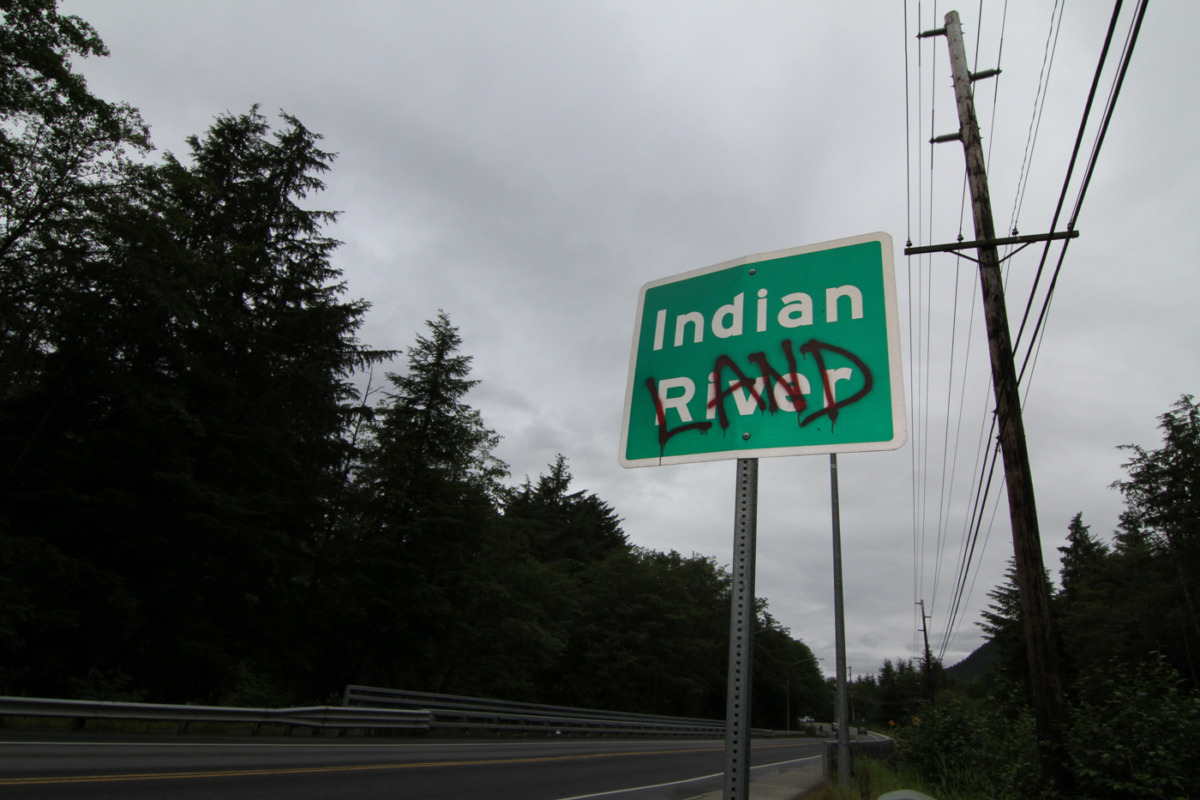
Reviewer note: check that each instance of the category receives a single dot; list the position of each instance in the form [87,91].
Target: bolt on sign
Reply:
[787,353]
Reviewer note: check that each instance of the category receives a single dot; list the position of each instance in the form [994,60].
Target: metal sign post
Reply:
[839,632]
[741,634]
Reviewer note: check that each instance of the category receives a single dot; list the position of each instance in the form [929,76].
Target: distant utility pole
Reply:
[842,712]
[928,652]
[1045,665]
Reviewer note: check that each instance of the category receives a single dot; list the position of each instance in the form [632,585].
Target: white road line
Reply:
[680,783]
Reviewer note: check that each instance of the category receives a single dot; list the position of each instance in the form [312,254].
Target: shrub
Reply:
[969,746]
[1134,733]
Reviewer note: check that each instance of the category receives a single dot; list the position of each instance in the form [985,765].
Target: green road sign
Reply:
[786,353]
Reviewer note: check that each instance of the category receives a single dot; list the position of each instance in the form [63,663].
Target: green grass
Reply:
[872,778]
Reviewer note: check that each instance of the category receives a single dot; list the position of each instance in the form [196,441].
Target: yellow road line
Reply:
[197,774]
[155,776]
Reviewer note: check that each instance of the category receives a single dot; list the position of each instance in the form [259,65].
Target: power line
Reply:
[1035,346]
[1087,109]
[908,237]
[1123,69]
[1039,105]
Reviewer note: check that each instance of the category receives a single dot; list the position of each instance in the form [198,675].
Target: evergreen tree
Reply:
[1082,558]
[270,350]
[1002,625]
[788,684]
[576,527]
[188,418]
[432,450]
[650,634]
[64,162]
[1158,542]
[1162,492]
[1091,603]
[900,691]
[430,480]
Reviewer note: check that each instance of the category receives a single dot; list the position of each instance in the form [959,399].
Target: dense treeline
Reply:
[1126,614]
[1134,599]
[206,497]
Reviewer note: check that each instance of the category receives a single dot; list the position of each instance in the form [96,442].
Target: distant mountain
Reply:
[977,664]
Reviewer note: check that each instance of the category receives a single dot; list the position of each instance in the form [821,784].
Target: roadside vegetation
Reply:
[1132,735]
[1126,613]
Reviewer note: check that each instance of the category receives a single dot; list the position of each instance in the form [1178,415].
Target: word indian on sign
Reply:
[785,353]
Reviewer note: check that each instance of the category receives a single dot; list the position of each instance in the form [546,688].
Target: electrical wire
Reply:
[925,274]
[1087,110]
[1131,41]
[1039,105]
[949,443]
[908,240]
[962,594]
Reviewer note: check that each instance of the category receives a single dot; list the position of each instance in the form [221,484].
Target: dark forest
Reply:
[214,492]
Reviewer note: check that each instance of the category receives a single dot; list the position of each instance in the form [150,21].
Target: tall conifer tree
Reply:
[430,480]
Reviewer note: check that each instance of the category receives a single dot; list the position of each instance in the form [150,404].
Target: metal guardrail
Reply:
[315,717]
[457,712]
[369,708]
[878,747]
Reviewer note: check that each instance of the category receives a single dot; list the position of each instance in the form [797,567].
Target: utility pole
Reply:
[842,712]
[1045,665]
[928,652]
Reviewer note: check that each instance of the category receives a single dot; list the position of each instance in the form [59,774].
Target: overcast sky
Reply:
[528,166]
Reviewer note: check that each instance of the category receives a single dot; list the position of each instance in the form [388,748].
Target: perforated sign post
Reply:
[786,353]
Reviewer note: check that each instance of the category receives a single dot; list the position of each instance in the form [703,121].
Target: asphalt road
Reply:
[101,767]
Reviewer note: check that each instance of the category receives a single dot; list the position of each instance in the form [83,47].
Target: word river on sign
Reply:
[751,394]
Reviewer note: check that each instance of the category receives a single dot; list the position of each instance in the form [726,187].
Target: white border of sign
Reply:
[891,313]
